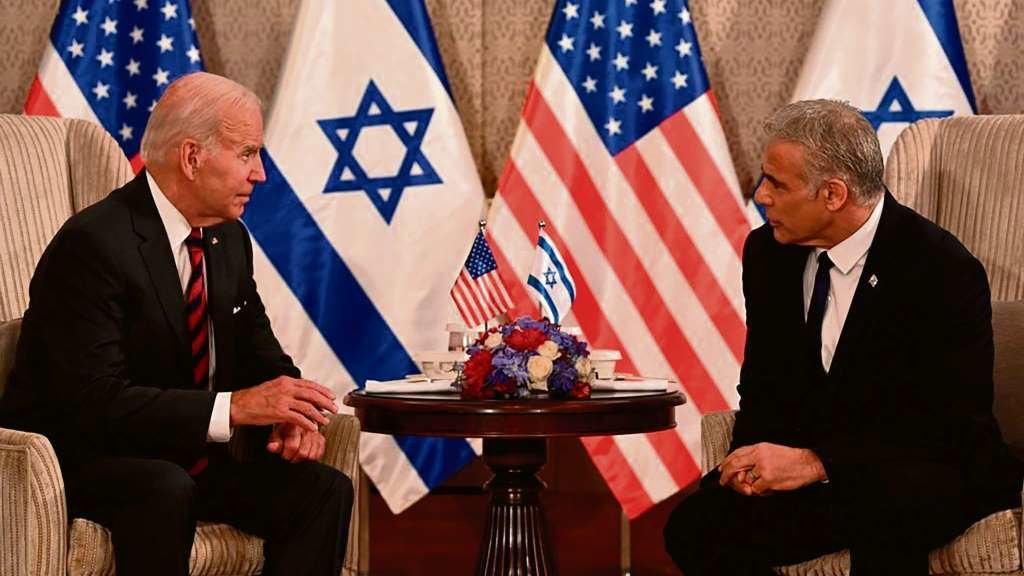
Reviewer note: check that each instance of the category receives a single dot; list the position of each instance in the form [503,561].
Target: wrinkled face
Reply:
[227,174]
[796,213]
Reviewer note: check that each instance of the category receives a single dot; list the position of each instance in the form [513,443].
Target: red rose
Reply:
[477,368]
[529,339]
[581,390]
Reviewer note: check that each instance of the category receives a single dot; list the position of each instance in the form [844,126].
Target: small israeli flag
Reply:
[550,280]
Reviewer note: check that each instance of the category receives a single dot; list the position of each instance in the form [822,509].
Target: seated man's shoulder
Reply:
[935,243]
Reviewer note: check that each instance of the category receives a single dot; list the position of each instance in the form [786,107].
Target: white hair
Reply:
[193,106]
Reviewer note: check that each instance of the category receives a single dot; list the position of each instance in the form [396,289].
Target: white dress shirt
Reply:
[848,258]
[178,229]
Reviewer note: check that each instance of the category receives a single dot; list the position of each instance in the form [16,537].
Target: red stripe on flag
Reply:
[689,150]
[563,156]
[524,207]
[673,453]
[39,103]
[137,164]
[682,249]
[619,475]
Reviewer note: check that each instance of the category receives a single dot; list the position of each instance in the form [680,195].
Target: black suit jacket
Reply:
[103,362]
[911,378]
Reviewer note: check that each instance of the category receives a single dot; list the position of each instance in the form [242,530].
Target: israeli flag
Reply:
[896,60]
[550,280]
[371,200]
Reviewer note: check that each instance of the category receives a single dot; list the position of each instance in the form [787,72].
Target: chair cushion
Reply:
[991,545]
[218,550]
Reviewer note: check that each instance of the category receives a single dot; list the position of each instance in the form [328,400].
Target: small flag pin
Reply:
[873,280]
[214,242]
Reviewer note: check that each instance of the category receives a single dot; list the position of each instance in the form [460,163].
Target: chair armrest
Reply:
[342,452]
[33,509]
[715,437]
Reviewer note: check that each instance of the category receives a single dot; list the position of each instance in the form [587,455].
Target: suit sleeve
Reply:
[753,419]
[263,358]
[78,300]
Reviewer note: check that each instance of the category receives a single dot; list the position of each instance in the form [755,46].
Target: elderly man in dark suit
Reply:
[865,394]
[146,348]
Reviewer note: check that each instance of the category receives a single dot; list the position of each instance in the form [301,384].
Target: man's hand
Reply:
[765,468]
[296,444]
[283,400]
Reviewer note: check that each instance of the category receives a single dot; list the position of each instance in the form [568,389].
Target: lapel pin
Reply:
[214,240]
[873,280]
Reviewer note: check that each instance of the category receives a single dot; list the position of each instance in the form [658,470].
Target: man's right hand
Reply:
[283,400]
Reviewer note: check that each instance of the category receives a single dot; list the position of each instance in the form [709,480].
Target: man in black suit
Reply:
[146,348]
[865,415]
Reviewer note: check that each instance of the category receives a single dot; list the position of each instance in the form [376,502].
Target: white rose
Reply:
[493,340]
[584,371]
[548,349]
[539,367]
[539,386]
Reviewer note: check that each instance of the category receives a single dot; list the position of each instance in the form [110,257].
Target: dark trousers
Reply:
[151,508]
[889,518]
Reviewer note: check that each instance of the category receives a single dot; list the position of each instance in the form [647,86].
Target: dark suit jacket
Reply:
[103,362]
[911,379]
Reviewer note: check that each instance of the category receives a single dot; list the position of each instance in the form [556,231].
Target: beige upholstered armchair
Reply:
[966,174]
[49,169]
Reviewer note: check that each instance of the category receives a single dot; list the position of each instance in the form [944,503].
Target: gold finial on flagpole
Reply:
[541,224]
[482,224]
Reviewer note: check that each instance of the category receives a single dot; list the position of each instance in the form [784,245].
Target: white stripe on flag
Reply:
[59,85]
[391,471]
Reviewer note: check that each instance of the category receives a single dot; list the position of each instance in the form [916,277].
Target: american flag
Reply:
[478,292]
[110,60]
[621,150]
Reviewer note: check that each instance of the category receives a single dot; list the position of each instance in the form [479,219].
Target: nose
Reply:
[761,195]
[257,174]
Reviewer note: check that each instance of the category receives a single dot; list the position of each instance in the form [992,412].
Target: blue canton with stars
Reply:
[896,107]
[348,175]
[123,54]
[481,259]
[633,63]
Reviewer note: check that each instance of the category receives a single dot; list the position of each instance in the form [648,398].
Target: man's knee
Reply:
[689,526]
[169,486]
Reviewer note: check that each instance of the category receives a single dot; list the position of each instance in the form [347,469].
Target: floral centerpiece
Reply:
[524,356]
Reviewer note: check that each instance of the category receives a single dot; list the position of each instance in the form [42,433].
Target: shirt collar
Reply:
[175,224]
[847,253]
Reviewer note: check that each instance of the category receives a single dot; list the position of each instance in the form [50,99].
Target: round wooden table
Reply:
[515,434]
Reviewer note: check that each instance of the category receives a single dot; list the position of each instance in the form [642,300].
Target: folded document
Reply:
[632,384]
[408,385]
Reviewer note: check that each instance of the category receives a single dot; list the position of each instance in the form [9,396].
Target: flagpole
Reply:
[482,224]
[541,224]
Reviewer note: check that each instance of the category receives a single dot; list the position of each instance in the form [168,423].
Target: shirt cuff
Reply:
[220,420]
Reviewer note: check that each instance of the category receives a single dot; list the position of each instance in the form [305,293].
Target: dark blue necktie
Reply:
[816,311]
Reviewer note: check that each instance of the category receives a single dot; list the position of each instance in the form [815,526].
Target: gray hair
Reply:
[193,106]
[839,143]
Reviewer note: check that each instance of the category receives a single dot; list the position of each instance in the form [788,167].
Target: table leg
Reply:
[516,541]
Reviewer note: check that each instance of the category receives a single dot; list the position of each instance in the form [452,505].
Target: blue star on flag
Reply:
[904,110]
[348,175]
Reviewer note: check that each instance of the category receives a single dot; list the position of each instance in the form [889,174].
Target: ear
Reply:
[836,194]
[189,158]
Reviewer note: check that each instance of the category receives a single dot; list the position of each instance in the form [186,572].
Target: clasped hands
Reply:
[294,407]
[763,468]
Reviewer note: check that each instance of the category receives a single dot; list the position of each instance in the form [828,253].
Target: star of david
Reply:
[904,111]
[348,175]
[549,278]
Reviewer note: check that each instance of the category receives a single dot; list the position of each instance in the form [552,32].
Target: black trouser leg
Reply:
[300,510]
[149,506]
[717,531]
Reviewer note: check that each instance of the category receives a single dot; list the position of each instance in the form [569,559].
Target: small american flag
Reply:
[109,62]
[478,292]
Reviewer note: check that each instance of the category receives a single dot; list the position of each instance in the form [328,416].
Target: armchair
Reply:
[52,168]
[966,174]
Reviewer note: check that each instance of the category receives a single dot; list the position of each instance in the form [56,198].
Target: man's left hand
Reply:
[295,443]
[772,467]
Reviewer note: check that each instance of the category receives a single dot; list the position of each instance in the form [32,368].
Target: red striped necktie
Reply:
[195,310]
[198,323]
